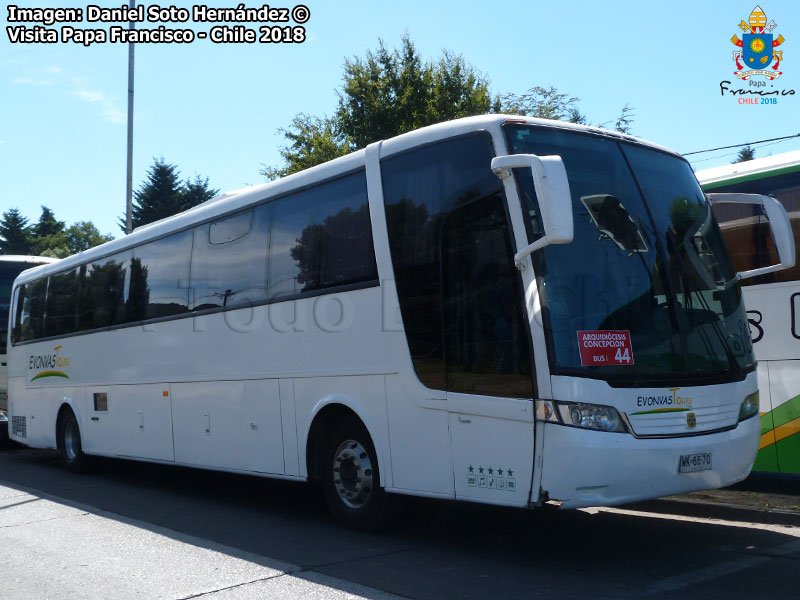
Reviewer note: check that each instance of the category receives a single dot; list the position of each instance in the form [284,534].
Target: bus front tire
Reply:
[71,446]
[351,479]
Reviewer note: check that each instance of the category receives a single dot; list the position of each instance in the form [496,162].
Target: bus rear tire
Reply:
[71,446]
[351,479]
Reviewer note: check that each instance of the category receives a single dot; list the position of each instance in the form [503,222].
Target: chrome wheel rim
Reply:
[352,473]
[72,441]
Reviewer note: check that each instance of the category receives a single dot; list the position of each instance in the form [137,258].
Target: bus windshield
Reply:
[647,262]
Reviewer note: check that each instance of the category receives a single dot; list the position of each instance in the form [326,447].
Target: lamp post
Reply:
[129,175]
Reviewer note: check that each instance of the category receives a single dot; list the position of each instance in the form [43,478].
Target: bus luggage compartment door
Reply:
[492,445]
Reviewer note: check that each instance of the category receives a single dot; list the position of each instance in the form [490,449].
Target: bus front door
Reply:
[487,354]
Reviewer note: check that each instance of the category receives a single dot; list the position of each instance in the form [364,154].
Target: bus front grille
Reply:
[19,427]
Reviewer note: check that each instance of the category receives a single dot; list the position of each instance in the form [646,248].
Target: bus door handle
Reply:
[464,419]
[95,418]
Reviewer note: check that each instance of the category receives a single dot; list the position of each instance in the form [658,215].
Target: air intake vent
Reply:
[19,427]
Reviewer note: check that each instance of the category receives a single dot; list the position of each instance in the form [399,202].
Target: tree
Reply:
[83,235]
[388,93]
[384,94]
[48,224]
[159,197]
[312,141]
[625,119]
[163,195]
[745,154]
[47,236]
[196,191]
[545,103]
[15,234]
[51,238]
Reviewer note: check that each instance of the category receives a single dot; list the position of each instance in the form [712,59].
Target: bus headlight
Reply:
[581,414]
[3,415]
[749,407]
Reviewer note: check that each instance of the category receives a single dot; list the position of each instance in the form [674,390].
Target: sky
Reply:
[215,109]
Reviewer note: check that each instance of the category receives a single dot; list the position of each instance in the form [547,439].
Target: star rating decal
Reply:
[494,478]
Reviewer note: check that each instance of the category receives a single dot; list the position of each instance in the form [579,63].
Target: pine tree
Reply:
[158,197]
[163,195]
[47,236]
[745,154]
[196,191]
[15,234]
[48,224]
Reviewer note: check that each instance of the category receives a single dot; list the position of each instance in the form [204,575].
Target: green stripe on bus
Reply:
[788,411]
[788,450]
[50,374]
[750,177]
[660,410]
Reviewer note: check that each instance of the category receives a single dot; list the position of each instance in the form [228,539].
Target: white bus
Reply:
[773,300]
[493,309]
[11,265]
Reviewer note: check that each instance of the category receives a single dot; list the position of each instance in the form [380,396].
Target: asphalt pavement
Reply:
[136,530]
[772,498]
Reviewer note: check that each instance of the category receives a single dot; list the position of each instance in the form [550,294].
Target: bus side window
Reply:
[159,284]
[62,297]
[322,238]
[229,260]
[15,324]
[31,310]
[486,347]
[102,286]
[421,188]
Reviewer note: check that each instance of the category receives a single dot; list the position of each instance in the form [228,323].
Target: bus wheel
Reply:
[351,480]
[71,447]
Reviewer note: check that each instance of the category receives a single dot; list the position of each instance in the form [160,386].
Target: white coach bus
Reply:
[772,299]
[11,265]
[494,309]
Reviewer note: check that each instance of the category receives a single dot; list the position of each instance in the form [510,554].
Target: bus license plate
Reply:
[691,463]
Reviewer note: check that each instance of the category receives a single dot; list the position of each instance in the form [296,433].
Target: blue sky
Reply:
[214,109]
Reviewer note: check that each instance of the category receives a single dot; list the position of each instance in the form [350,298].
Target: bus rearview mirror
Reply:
[553,195]
[779,225]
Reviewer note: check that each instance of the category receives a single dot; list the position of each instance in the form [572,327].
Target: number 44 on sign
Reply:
[605,347]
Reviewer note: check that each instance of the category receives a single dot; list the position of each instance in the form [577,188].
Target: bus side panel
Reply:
[420,438]
[770,308]
[42,407]
[98,433]
[143,421]
[291,458]
[774,315]
[784,377]
[767,457]
[229,425]
[263,433]
[16,402]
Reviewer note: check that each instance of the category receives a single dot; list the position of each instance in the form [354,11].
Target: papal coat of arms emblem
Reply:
[757,48]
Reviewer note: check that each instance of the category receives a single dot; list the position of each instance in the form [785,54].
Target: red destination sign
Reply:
[607,347]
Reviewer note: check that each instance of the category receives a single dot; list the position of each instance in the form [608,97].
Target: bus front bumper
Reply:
[588,468]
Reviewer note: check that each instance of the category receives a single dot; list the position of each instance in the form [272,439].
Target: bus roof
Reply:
[787,162]
[239,199]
